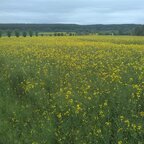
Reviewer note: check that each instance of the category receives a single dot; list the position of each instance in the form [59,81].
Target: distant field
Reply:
[72,90]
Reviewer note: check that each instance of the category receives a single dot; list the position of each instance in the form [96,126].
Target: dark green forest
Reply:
[34,29]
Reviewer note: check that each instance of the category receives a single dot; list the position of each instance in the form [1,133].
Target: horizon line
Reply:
[70,24]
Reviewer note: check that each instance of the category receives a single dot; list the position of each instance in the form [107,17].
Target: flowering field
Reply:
[72,90]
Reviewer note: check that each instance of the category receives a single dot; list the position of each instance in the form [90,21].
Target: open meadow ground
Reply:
[72,90]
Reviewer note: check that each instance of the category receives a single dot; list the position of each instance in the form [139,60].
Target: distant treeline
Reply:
[31,33]
[18,33]
[69,29]
[139,30]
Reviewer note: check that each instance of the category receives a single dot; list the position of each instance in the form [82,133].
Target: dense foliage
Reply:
[139,31]
[72,90]
[125,29]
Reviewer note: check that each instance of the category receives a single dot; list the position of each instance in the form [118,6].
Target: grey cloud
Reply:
[72,11]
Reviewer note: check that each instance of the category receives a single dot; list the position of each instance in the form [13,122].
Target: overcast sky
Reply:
[72,11]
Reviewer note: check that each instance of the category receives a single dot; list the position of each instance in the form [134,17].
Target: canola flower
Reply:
[81,90]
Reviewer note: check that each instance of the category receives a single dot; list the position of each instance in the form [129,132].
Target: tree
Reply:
[142,30]
[120,32]
[24,34]
[36,34]
[139,31]
[62,34]
[17,34]
[70,34]
[30,33]
[9,33]
[0,34]
[55,34]
[58,34]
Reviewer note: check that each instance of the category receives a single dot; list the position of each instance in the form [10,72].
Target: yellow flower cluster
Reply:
[80,90]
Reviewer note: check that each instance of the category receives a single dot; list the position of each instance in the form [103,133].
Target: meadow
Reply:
[72,90]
